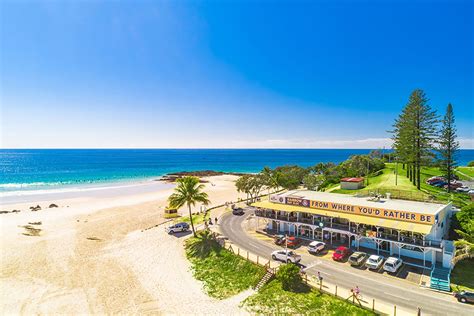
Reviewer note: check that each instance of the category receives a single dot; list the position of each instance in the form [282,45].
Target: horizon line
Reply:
[204,148]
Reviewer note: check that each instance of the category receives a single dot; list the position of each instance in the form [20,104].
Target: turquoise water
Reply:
[44,169]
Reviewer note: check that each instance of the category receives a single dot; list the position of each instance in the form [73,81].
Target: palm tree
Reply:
[188,191]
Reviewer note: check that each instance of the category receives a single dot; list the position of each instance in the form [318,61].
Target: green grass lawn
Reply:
[272,299]
[463,171]
[197,219]
[463,275]
[224,273]
[401,187]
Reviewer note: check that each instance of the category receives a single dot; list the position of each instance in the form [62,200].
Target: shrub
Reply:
[289,276]
[471,164]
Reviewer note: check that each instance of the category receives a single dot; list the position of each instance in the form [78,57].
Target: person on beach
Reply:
[210,221]
[215,220]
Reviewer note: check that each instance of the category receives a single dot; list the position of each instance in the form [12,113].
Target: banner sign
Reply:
[407,216]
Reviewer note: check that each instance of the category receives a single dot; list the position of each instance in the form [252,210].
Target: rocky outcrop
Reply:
[35,208]
[172,177]
[52,205]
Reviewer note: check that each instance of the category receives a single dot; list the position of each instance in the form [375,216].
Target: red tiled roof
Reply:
[352,179]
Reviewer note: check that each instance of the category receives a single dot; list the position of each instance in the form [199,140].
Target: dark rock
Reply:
[52,205]
[35,208]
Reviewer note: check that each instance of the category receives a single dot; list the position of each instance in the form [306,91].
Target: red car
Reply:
[341,253]
[293,242]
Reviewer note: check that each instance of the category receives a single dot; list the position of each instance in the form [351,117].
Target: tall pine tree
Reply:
[448,145]
[414,135]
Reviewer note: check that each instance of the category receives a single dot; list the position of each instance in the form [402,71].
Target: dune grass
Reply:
[224,273]
[462,276]
[272,299]
[197,219]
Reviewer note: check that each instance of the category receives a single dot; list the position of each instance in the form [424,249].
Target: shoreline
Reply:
[104,189]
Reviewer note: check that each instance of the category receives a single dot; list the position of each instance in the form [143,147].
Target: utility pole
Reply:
[396,172]
[367,172]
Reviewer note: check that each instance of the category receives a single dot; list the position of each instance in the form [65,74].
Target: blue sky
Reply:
[228,74]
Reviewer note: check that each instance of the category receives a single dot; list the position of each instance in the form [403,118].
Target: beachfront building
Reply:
[352,183]
[414,231]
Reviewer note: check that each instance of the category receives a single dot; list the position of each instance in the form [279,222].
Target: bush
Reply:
[471,164]
[290,278]
[223,273]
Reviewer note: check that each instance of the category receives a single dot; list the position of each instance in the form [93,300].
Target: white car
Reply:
[392,264]
[463,189]
[316,246]
[176,228]
[286,256]
[374,262]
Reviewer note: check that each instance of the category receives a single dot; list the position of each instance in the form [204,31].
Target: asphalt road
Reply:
[405,295]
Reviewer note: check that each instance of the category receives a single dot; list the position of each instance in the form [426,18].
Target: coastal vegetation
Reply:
[223,273]
[448,145]
[419,142]
[462,277]
[188,191]
[287,294]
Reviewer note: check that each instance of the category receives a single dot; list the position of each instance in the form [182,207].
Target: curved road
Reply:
[407,296]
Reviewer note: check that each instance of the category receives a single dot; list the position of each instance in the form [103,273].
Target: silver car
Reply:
[286,256]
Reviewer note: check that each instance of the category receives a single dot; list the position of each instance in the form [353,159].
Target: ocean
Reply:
[46,169]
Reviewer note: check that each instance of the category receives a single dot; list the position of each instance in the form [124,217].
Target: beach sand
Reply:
[92,255]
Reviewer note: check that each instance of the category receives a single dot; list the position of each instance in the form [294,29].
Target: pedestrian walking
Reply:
[320,277]
[215,220]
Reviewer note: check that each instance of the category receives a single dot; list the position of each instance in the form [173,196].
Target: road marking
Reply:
[312,264]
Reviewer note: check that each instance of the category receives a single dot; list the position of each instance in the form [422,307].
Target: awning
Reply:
[367,220]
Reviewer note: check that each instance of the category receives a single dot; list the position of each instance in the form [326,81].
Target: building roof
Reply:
[392,204]
[352,179]
[361,219]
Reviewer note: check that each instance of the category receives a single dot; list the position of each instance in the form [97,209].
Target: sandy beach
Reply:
[93,255]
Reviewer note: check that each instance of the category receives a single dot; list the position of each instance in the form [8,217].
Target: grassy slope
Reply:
[459,199]
[273,300]
[386,182]
[224,274]
[463,275]
[469,171]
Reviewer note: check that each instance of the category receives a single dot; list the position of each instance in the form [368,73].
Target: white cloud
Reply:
[466,143]
[315,143]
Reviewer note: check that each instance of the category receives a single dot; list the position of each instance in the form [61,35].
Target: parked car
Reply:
[341,253]
[374,262]
[357,258]
[293,242]
[464,296]
[238,211]
[176,228]
[454,185]
[433,180]
[316,246]
[440,184]
[286,256]
[279,239]
[463,189]
[392,264]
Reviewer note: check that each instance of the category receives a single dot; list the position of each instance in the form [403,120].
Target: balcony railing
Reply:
[345,227]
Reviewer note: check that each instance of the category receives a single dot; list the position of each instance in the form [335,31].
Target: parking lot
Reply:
[406,272]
